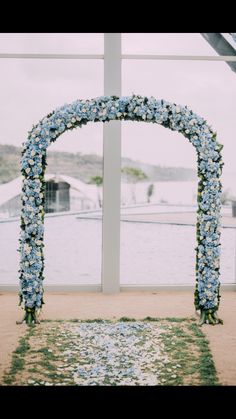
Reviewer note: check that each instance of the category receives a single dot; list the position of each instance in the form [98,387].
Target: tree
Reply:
[150,191]
[133,175]
[98,181]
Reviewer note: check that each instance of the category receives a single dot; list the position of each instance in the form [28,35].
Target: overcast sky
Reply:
[29,89]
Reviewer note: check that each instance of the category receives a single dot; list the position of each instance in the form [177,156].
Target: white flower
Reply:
[27,249]
[31,381]
[216,263]
[207,226]
[206,148]
[29,208]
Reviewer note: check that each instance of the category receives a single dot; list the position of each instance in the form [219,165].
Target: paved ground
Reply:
[131,304]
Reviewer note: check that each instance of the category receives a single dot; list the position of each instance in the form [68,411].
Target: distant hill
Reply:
[84,166]
[162,173]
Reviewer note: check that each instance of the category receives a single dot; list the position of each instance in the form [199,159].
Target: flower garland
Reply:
[132,108]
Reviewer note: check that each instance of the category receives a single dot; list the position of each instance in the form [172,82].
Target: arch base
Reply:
[31,317]
[209,317]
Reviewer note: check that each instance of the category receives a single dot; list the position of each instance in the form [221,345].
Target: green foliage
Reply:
[150,191]
[133,174]
[189,359]
[127,319]
[206,364]
[23,347]
[18,358]
[96,180]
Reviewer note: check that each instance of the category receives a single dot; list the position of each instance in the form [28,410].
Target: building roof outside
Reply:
[13,188]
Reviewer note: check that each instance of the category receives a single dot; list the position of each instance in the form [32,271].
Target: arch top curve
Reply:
[132,108]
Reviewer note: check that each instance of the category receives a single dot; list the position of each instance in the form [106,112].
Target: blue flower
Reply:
[134,108]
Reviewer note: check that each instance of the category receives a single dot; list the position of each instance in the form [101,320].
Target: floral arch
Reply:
[132,108]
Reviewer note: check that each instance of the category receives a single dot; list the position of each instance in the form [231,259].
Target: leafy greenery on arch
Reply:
[131,108]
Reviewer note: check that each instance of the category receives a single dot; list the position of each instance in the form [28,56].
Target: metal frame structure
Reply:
[226,58]
[222,47]
[112,141]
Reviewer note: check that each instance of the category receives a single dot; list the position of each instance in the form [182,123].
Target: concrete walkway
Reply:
[131,304]
[182,218]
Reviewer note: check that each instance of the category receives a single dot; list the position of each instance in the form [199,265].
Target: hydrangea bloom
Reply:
[132,108]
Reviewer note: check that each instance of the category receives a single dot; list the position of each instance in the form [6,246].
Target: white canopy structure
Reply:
[79,191]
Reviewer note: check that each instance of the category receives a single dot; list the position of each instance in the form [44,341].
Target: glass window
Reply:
[166,44]
[30,89]
[206,87]
[147,245]
[54,43]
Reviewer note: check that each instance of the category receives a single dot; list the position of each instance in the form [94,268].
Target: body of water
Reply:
[183,193]
[150,253]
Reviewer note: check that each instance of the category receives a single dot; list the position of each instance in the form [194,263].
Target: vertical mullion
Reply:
[111,169]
